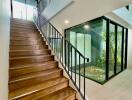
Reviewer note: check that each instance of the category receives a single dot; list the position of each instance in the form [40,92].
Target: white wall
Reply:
[4,47]
[129,48]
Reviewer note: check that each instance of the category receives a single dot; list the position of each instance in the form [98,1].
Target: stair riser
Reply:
[24,31]
[31,81]
[27,27]
[35,59]
[23,27]
[25,34]
[22,24]
[45,92]
[22,43]
[28,47]
[18,72]
[26,41]
[29,53]
[23,39]
[72,97]
[28,35]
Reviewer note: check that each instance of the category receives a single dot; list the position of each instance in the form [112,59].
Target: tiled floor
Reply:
[118,88]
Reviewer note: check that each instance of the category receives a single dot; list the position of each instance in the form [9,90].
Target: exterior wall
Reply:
[4,47]
[129,63]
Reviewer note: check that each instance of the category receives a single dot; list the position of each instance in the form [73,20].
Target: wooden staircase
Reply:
[34,74]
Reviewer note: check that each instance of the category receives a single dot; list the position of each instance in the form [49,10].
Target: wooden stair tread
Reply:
[28,90]
[62,94]
[13,58]
[34,75]
[29,50]
[32,65]
[20,53]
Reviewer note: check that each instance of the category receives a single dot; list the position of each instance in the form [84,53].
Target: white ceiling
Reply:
[83,10]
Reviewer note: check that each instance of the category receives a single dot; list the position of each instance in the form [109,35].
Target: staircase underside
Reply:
[34,73]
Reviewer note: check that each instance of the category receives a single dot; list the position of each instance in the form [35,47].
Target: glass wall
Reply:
[119,48]
[22,9]
[96,40]
[90,40]
[111,49]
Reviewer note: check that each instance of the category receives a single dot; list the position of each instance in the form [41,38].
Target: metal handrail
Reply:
[71,59]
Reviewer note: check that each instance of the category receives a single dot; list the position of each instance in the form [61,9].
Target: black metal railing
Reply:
[63,50]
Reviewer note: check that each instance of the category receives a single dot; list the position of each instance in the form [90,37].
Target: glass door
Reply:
[111,49]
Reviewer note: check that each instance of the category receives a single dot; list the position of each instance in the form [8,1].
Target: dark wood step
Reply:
[33,78]
[22,25]
[63,94]
[17,35]
[20,33]
[20,28]
[24,31]
[25,38]
[26,34]
[29,42]
[35,67]
[28,47]
[46,91]
[16,61]
[21,53]
[37,90]
[21,20]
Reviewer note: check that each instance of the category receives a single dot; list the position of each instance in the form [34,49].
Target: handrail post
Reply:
[11,8]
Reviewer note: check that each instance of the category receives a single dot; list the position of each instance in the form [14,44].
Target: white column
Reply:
[4,47]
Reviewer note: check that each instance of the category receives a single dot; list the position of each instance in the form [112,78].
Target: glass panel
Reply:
[20,10]
[87,49]
[111,50]
[119,46]
[80,42]
[73,38]
[91,42]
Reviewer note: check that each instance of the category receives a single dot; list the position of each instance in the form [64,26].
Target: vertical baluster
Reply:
[11,9]
[68,58]
[49,34]
[57,44]
[75,64]
[52,37]
[62,50]
[79,72]
[65,54]
[71,62]
[60,46]
[84,78]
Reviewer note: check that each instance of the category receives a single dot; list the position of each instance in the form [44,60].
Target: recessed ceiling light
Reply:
[66,21]
[86,27]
